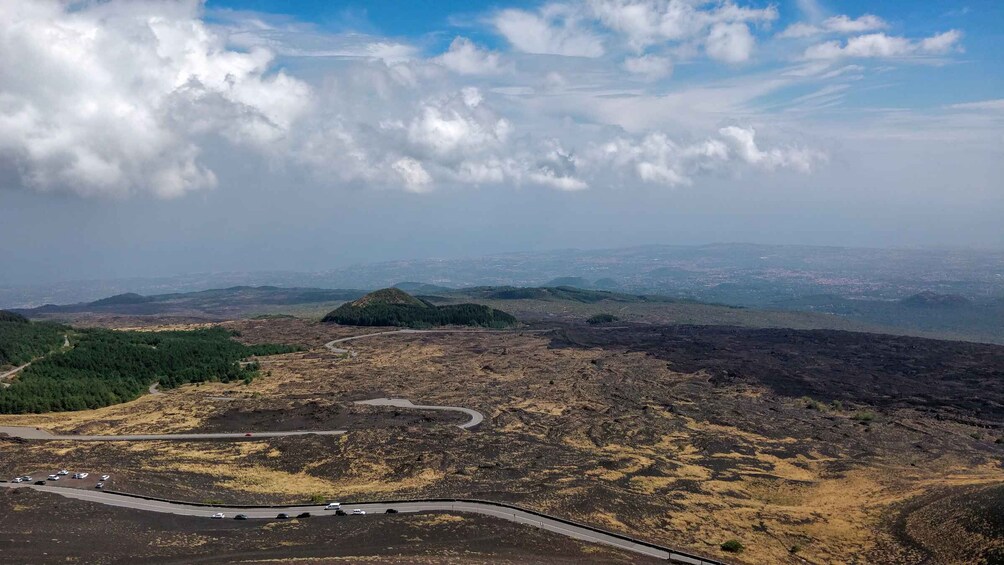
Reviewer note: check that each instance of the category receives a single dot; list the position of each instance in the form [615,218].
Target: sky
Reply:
[159,137]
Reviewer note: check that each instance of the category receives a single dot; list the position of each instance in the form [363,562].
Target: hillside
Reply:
[394,307]
[21,341]
[210,305]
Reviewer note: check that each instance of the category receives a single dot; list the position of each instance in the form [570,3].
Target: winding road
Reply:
[485,508]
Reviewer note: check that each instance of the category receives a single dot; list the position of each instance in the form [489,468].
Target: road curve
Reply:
[476,417]
[485,508]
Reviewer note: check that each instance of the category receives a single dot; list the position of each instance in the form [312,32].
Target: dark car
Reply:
[241,517]
[304,515]
[391,511]
[39,482]
[339,512]
[282,516]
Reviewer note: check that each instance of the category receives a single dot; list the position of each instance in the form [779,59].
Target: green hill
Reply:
[6,316]
[394,307]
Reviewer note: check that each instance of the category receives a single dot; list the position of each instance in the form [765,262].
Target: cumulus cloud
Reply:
[836,24]
[658,159]
[553,30]
[466,58]
[730,43]
[105,99]
[647,22]
[651,67]
[880,45]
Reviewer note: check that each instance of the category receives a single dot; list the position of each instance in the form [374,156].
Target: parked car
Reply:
[99,485]
[63,472]
[219,516]
[358,512]
[241,517]
[333,506]
[16,480]
[303,515]
[281,516]
[105,477]
[53,477]
[26,479]
[391,511]
[84,475]
[39,482]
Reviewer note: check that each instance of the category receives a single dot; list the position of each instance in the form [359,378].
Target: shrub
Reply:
[863,416]
[733,546]
[602,319]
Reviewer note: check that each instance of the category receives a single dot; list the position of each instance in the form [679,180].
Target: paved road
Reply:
[476,417]
[26,432]
[575,531]
[40,434]
[331,345]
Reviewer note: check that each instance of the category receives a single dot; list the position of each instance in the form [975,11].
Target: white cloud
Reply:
[652,67]
[414,175]
[992,105]
[743,141]
[880,45]
[655,158]
[103,99]
[553,30]
[466,58]
[730,43]
[836,24]
[647,22]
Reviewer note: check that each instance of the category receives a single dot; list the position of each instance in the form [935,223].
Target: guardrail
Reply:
[674,555]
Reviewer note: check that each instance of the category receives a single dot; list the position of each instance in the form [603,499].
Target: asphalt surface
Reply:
[39,434]
[476,417]
[505,513]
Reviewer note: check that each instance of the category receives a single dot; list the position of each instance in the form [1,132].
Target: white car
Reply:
[105,477]
[358,511]
[333,506]
[16,480]
[63,472]
[53,477]
[82,475]
[99,485]
[26,479]
[219,516]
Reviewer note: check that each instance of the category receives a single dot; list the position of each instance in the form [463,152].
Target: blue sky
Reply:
[463,128]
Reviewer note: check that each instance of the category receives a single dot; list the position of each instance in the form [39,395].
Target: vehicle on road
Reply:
[105,477]
[281,516]
[247,434]
[241,517]
[333,506]
[340,512]
[358,512]
[219,516]
[391,511]
[63,472]
[39,482]
[303,515]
